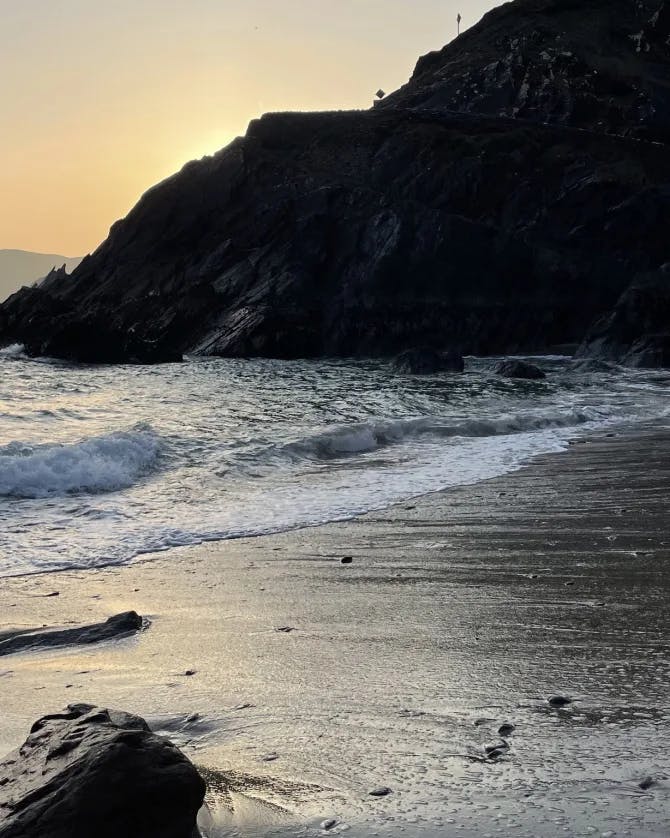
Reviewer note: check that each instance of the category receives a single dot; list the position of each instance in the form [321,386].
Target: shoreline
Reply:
[580,435]
[480,601]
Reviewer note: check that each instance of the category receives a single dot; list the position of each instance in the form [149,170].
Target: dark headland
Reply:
[502,201]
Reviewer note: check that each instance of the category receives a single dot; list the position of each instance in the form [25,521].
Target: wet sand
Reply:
[459,612]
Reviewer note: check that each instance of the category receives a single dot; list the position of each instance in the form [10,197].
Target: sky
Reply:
[100,99]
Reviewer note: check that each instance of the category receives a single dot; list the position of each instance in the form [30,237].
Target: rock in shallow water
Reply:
[90,772]
[519,369]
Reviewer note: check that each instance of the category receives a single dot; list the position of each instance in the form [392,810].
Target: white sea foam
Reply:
[98,464]
[13,351]
[242,448]
[365,437]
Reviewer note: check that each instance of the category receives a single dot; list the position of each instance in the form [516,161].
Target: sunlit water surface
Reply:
[101,464]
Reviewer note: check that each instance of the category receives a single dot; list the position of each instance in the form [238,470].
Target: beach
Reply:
[313,682]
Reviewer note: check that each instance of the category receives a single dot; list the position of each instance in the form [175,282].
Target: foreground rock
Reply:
[120,625]
[94,773]
[426,361]
[637,332]
[519,369]
[452,212]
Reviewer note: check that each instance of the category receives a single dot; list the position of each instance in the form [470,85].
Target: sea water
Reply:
[99,465]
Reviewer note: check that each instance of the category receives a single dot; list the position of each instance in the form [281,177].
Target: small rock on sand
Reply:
[382,791]
[346,559]
[559,701]
[506,729]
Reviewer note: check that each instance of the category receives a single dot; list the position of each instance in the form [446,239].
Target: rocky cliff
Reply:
[363,233]
[601,65]
[637,331]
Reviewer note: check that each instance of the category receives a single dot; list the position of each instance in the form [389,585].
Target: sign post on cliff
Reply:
[458,24]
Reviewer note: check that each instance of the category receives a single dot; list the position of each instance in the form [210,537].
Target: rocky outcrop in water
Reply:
[519,369]
[366,233]
[89,772]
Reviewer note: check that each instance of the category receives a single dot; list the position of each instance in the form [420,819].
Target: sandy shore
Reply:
[460,611]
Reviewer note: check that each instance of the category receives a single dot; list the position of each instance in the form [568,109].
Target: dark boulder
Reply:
[425,361]
[637,332]
[94,773]
[519,369]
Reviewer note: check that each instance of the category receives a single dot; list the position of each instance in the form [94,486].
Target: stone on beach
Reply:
[559,701]
[382,791]
[121,625]
[89,771]
[647,783]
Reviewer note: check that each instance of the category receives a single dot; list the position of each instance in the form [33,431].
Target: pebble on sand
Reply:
[559,701]
[382,791]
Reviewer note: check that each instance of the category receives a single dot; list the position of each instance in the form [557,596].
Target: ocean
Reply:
[100,465]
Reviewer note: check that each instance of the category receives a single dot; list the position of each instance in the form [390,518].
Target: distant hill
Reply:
[20,267]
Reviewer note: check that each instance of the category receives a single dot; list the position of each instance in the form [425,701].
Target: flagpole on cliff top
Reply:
[458,24]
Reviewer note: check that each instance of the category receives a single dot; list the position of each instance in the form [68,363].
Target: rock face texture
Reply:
[481,231]
[601,65]
[93,772]
[637,332]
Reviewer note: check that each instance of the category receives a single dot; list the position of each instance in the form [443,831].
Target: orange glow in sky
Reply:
[99,101]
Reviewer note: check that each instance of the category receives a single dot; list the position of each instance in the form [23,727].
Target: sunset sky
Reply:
[102,100]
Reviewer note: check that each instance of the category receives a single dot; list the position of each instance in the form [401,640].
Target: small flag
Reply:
[459,18]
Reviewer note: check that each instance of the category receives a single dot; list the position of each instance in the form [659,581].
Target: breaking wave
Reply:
[365,437]
[95,465]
